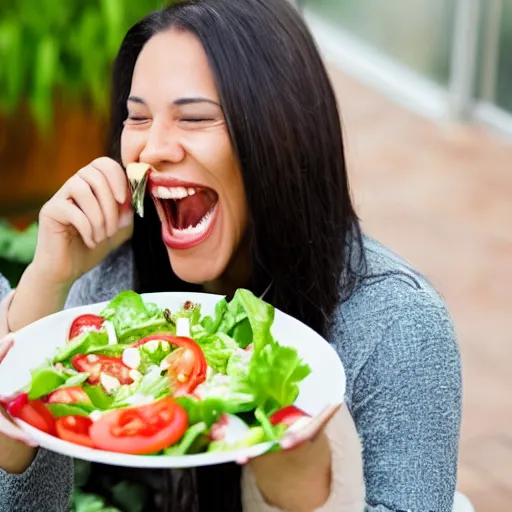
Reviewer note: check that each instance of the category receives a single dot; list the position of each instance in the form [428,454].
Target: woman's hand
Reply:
[7,427]
[17,450]
[90,216]
[87,218]
[299,476]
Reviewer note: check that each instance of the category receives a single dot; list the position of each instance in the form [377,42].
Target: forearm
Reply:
[45,486]
[35,298]
[305,488]
[339,489]
[15,456]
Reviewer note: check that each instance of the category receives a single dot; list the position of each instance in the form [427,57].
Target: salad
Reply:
[143,380]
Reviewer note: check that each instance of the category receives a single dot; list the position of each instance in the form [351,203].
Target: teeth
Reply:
[173,192]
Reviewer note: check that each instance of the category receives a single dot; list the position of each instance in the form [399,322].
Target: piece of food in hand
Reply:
[138,174]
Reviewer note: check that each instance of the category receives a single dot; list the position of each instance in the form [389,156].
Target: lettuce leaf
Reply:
[274,374]
[189,441]
[217,349]
[206,411]
[81,345]
[44,381]
[133,319]
[59,410]
[235,393]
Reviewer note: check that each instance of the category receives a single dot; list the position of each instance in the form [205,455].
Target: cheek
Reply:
[131,146]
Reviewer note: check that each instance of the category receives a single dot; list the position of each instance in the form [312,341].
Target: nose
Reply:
[162,145]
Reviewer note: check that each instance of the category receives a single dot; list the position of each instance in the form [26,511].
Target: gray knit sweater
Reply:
[398,346]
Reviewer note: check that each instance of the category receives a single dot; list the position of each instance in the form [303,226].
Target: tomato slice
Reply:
[74,429]
[14,404]
[287,416]
[32,412]
[74,395]
[186,364]
[140,430]
[85,323]
[94,365]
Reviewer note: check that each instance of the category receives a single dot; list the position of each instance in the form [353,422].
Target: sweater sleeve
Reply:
[347,486]
[47,483]
[407,409]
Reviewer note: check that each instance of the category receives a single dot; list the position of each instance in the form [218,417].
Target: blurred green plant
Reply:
[16,250]
[51,48]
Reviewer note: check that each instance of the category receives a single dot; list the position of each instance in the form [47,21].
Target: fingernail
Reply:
[6,342]
[287,443]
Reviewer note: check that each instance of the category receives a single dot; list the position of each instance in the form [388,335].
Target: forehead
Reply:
[173,64]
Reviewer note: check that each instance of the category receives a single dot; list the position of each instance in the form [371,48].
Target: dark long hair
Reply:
[283,122]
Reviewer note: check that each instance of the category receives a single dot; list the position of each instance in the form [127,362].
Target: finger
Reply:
[12,431]
[5,345]
[242,461]
[105,196]
[310,430]
[68,214]
[115,176]
[83,196]
[126,213]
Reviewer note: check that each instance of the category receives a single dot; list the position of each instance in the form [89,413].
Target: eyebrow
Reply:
[178,101]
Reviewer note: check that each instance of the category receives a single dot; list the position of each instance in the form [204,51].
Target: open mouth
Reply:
[186,212]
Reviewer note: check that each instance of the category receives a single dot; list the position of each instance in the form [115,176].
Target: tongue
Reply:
[191,209]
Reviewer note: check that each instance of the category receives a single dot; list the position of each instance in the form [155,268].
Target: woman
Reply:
[229,102]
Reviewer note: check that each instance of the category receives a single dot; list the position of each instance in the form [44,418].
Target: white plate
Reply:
[37,342]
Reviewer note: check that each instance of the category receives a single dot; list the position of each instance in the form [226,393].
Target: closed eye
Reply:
[196,120]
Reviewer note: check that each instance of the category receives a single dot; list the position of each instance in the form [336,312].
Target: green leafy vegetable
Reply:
[45,381]
[260,315]
[153,384]
[206,411]
[75,380]
[59,410]
[133,319]
[211,325]
[99,398]
[255,435]
[217,349]
[108,350]
[81,344]
[153,353]
[267,427]
[192,312]
[188,440]
[274,374]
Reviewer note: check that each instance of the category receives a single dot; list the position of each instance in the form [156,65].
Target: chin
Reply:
[196,269]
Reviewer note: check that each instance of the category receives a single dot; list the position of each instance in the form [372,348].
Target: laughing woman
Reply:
[229,104]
